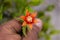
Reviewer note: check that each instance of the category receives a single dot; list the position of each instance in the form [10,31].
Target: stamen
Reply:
[29,19]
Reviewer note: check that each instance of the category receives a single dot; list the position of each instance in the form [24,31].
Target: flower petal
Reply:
[35,20]
[27,13]
[22,17]
[24,23]
[30,25]
[34,14]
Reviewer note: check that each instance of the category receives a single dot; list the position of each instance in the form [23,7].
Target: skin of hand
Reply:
[8,31]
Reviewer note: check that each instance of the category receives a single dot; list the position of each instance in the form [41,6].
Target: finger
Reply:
[10,37]
[12,26]
[32,35]
[37,26]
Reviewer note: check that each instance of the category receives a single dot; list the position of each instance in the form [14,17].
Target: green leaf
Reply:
[20,6]
[46,19]
[47,37]
[54,32]
[40,14]
[35,2]
[1,14]
[24,30]
[41,34]
[29,9]
[20,20]
[15,15]
[50,7]
[28,28]
[7,4]
[45,27]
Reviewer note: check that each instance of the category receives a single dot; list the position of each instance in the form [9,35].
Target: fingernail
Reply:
[39,23]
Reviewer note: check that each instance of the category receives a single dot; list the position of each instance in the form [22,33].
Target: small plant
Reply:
[10,9]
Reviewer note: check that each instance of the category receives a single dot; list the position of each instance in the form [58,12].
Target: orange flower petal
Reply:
[30,25]
[22,17]
[27,13]
[24,23]
[35,21]
[34,14]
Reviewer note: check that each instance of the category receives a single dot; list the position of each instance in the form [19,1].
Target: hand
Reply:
[9,31]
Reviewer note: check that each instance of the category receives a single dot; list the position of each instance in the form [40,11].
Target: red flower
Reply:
[29,19]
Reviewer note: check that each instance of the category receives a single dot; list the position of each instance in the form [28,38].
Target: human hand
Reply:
[9,31]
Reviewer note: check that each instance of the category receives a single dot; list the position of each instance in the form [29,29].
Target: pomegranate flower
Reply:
[29,19]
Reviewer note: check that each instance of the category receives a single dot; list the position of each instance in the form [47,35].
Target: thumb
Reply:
[32,35]
[37,26]
[11,26]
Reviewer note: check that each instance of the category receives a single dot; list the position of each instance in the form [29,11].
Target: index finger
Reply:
[11,26]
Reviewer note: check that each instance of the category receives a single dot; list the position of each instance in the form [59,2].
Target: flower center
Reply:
[29,19]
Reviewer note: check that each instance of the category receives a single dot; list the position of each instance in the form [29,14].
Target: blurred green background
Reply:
[10,9]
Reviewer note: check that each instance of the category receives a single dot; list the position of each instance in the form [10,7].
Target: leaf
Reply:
[24,30]
[29,9]
[45,27]
[7,3]
[46,19]
[54,32]
[41,34]
[15,15]
[20,6]
[1,14]
[47,37]
[28,28]
[50,7]
[40,14]
[20,20]
[35,2]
